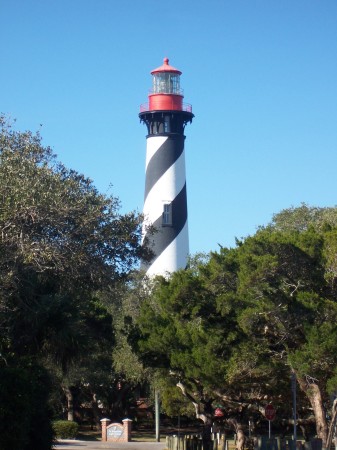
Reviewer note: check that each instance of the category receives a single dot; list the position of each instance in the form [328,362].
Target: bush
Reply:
[65,429]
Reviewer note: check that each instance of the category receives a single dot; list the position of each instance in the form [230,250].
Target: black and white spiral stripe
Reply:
[166,184]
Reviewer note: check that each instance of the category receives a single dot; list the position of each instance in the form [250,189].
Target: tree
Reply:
[302,217]
[233,329]
[295,303]
[133,376]
[61,242]
[25,415]
[82,367]
[59,236]
[189,326]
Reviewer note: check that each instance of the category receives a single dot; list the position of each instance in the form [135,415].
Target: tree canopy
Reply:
[63,246]
[233,329]
[59,236]
[229,331]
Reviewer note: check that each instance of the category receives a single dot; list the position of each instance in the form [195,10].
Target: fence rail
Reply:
[219,442]
[145,107]
[196,442]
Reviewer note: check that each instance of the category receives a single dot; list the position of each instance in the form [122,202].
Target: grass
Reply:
[145,436]
[87,434]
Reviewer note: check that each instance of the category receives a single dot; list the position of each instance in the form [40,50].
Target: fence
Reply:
[264,443]
[219,442]
[195,442]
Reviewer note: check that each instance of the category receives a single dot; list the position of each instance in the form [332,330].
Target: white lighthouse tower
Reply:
[165,200]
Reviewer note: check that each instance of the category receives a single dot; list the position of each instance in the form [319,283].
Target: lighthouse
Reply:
[165,200]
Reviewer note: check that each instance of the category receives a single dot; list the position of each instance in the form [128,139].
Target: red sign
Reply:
[270,412]
[218,413]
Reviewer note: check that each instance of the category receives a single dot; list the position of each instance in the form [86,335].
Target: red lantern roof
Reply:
[166,68]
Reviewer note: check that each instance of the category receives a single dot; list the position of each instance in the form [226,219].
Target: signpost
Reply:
[269,413]
[157,414]
[293,388]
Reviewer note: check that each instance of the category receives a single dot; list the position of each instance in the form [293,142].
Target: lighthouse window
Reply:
[167,214]
[167,124]
[175,84]
[166,83]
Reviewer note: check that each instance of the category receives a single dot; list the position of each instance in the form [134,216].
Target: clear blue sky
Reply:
[261,76]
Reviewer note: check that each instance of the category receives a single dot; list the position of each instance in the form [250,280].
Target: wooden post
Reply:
[222,445]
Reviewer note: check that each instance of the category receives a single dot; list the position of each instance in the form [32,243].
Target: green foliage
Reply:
[55,222]
[179,323]
[24,411]
[14,405]
[303,217]
[65,429]
[40,433]
[63,248]
[317,355]
[174,404]
[232,328]
[125,310]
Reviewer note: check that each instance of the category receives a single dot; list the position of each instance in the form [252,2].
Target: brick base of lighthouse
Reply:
[116,432]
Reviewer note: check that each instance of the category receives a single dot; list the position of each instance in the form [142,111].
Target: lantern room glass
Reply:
[166,83]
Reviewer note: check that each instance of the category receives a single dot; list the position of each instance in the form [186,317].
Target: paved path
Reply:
[79,445]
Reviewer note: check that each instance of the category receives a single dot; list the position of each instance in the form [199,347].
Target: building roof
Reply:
[166,68]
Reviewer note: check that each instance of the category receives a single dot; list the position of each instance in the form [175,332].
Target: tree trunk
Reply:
[96,411]
[206,418]
[332,424]
[240,435]
[117,406]
[312,391]
[70,402]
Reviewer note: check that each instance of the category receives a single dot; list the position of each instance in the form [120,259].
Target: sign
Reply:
[115,431]
[218,412]
[269,412]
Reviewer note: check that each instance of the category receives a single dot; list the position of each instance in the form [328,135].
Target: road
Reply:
[82,445]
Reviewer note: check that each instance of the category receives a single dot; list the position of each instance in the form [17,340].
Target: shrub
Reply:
[65,429]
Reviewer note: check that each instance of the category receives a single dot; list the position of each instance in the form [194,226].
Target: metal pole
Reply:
[293,388]
[269,428]
[156,399]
